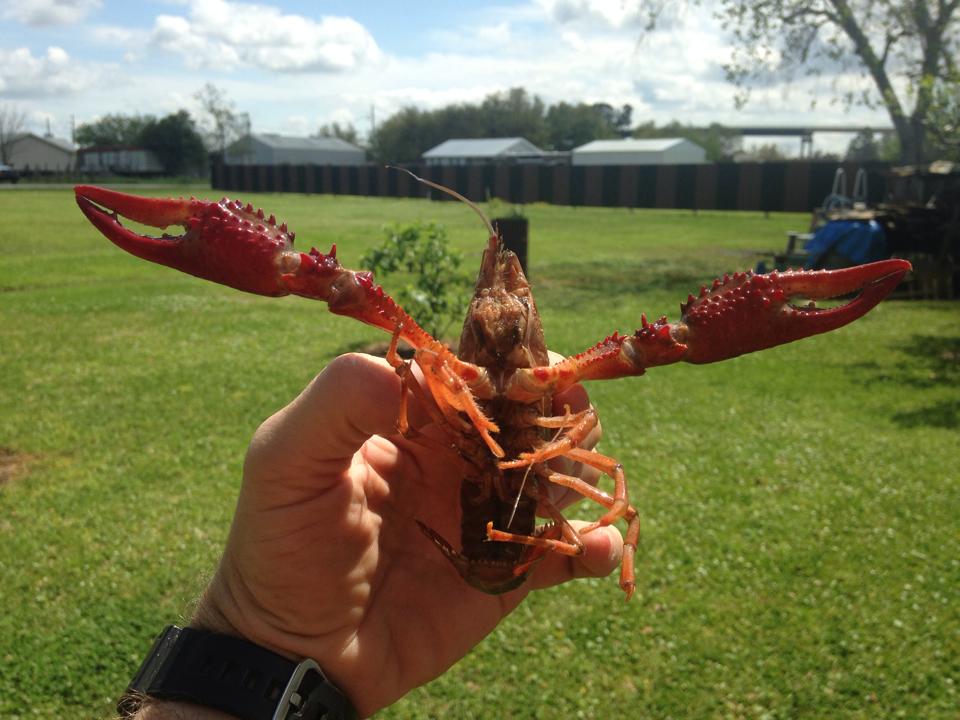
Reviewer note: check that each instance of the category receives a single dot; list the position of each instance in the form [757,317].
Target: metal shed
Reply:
[634,151]
[468,151]
[273,149]
[41,153]
[120,160]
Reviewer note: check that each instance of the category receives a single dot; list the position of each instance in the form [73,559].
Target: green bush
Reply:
[437,293]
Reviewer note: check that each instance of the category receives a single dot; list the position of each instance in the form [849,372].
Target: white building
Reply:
[39,153]
[636,151]
[119,160]
[273,149]
[468,151]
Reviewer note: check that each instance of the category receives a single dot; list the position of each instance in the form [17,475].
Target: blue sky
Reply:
[295,65]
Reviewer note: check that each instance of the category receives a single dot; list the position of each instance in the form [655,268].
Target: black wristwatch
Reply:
[235,676]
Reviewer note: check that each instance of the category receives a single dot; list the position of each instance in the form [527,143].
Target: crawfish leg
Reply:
[408,382]
[619,504]
[444,376]
[402,368]
[570,544]
[560,526]
[616,505]
[578,426]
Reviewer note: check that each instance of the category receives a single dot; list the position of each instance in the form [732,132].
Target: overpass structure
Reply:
[805,132]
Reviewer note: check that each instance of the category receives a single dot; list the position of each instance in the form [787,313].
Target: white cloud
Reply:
[49,12]
[117,36]
[615,14]
[258,55]
[22,75]
[299,125]
[492,35]
[228,35]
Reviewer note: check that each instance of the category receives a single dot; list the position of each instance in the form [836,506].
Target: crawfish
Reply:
[495,394]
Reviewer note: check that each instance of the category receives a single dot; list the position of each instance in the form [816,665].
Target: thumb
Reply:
[354,397]
[602,554]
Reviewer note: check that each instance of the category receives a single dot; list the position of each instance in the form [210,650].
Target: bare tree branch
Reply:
[890,40]
[12,122]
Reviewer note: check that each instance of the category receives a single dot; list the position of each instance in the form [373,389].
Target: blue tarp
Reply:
[857,241]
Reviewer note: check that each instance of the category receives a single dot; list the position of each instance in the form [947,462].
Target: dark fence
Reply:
[770,186]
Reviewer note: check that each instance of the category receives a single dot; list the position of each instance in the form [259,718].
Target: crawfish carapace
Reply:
[501,333]
[495,398]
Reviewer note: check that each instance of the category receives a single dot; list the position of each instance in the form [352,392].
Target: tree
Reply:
[943,120]
[719,142]
[176,143]
[863,147]
[173,139]
[221,123]
[766,152]
[346,132]
[407,134]
[12,122]
[116,130]
[515,113]
[404,136]
[889,40]
[569,126]
[619,120]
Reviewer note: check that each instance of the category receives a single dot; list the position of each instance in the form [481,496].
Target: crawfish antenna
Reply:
[451,193]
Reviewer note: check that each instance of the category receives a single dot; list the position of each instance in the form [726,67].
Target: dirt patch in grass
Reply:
[13,465]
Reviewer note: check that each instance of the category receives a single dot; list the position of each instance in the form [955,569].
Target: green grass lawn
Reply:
[801,546]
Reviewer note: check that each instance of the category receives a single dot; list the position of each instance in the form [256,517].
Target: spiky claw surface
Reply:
[235,244]
[227,242]
[746,312]
[737,314]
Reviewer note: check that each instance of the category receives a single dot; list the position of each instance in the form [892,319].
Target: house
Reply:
[273,149]
[635,151]
[470,151]
[120,160]
[29,152]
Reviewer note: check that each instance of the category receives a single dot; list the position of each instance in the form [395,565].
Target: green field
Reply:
[801,546]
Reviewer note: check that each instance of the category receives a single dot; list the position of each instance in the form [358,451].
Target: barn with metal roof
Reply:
[273,149]
[41,153]
[639,151]
[467,151]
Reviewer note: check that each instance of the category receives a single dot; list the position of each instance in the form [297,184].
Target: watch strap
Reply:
[233,675]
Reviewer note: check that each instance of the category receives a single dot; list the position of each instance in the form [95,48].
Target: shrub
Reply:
[437,293]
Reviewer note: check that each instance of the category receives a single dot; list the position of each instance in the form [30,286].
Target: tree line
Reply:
[173,139]
[180,142]
[407,134]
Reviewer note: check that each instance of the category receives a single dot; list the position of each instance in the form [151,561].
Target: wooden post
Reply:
[514,232]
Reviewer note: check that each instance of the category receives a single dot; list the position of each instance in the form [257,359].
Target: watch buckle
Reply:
[291,701]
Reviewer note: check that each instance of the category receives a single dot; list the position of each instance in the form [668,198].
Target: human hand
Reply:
[324,559]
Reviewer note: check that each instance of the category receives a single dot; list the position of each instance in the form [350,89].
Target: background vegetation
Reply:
[800,555]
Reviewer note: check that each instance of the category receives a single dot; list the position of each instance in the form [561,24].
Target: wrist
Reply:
[153,709]
[209,614]
[221,610]
[227,677]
